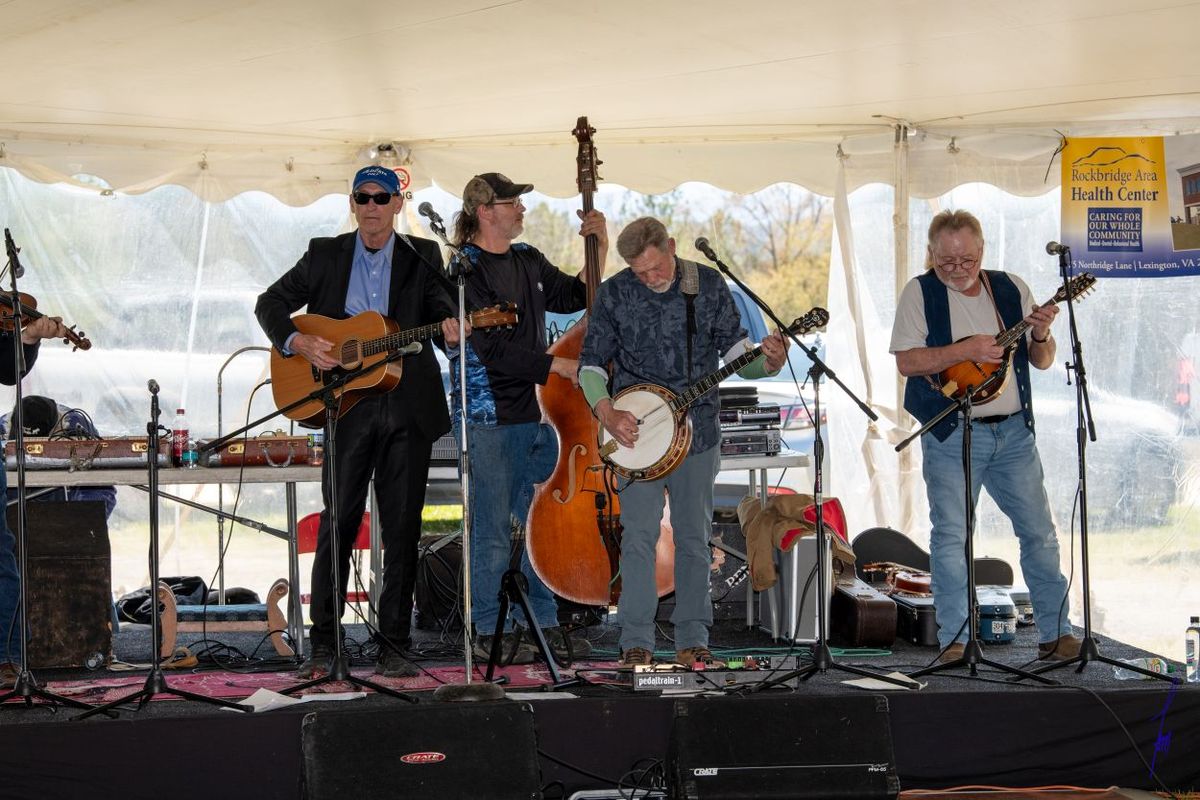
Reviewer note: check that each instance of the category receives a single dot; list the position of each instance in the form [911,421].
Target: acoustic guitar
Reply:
[664,430]
[966,376]
[364,339]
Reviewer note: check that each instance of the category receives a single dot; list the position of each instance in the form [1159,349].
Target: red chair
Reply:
[306,542]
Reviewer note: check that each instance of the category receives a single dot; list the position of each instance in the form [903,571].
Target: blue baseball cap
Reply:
[378,175]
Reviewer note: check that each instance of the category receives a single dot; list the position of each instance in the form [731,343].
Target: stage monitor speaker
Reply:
[795,747]
[69,583]
[445,751]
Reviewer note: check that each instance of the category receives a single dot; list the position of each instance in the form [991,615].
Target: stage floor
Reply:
[957,730]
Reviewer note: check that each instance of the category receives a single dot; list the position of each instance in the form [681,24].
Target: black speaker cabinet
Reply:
[69,583]
[445,751]
[782,747]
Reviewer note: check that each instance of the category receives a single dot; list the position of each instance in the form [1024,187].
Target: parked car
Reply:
[1134,468]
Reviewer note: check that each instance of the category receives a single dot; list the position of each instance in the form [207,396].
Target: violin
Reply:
[28,304]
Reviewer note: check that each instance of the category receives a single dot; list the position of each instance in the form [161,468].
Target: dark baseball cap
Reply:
[490,187]
[39,415]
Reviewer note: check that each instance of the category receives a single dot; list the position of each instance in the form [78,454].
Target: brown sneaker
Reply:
[1064,648]
[690,656]
[636,657]
[952,653]
[8,676]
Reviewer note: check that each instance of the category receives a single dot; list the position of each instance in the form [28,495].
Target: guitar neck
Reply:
[394,341]
[710,381]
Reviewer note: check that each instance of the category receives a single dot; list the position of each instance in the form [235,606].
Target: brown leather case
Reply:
[266,449]
[861,615]
[80,454]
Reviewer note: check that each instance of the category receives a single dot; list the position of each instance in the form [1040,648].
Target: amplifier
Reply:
[764,442]
[753,415]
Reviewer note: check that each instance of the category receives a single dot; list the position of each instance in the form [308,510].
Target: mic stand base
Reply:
[1089,651]
[340,673]
[156,683]
[477,692]
[971,658]
[27,689]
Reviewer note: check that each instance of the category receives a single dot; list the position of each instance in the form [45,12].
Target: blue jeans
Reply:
[10,588]
[1004,459]
[506,461]
[690,488]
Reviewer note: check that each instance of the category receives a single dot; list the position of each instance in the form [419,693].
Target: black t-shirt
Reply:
[504,364]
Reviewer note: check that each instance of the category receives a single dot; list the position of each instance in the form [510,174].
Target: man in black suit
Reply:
[389,435]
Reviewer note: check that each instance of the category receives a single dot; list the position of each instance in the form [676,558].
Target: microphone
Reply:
[410,349]
[426,210]
[702,246]
[12,250]
[152,385]
[1056,249]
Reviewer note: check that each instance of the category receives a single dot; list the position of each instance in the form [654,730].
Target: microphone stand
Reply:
[26,686]
[972,651]
[823,660]
[467,691]
[1085,424]
[156,681]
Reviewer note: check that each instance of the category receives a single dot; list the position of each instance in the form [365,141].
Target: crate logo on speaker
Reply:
[423,758]
[704,772]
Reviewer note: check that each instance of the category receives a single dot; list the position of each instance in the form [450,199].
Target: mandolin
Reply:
[364,339]
[664,430]
[965,376]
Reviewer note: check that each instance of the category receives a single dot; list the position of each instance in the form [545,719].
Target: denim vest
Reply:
[921,398]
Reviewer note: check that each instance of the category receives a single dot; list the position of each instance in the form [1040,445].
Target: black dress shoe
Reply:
[318,663]
[393,665]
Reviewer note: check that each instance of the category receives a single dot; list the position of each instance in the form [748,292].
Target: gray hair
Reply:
[643,232]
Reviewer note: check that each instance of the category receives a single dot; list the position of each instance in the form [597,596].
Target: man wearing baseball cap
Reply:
[388,435]
[510,448]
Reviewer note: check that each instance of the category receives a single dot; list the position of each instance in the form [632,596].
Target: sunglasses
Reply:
[380,198]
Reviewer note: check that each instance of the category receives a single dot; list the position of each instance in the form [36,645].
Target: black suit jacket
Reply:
[320,280]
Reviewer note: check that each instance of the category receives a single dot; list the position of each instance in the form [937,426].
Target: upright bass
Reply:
[574,528]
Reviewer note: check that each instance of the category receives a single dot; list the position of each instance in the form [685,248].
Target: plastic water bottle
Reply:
[1154,664]
[1192,651]
[179,437]
[191,456]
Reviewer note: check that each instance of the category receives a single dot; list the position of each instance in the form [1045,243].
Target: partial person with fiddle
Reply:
[957,313]
[511,449]
[666,321]
[33,331]
[388,435]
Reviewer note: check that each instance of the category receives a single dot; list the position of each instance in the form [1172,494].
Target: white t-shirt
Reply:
[968,316]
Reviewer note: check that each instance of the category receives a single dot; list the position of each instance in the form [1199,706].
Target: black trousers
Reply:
[369,443]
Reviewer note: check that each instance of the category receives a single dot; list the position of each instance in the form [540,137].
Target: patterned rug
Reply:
[236,685]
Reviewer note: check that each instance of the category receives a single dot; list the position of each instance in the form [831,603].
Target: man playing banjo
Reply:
[665,321]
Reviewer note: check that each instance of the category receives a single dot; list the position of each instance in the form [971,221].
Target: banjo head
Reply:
[656,434]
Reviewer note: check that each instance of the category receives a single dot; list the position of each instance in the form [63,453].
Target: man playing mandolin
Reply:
[389,435]
[952,314]
[666,321]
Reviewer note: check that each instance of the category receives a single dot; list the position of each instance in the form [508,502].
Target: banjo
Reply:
[664,430]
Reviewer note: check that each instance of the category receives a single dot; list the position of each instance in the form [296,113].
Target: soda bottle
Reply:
[179,437]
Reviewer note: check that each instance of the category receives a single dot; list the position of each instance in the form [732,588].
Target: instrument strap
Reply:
[689,285]
[987,286]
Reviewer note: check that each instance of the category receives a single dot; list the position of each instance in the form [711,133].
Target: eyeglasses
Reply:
[516,201]
[380,198]
[950,266]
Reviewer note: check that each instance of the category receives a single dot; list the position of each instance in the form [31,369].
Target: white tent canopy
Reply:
[289,97]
